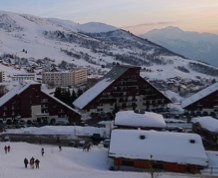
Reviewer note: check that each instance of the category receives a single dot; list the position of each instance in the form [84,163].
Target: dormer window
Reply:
[192,141]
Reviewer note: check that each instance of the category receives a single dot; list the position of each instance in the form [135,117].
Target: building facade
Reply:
[22,77]
[65,79]
[30,102]
[122,89]
[2,76]
[203,103]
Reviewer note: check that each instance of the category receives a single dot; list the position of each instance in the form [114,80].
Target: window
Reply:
[192,141]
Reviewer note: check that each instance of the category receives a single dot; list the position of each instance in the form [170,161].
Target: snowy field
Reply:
[70,162]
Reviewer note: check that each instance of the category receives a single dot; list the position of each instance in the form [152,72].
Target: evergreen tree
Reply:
[79,92]
[57,93]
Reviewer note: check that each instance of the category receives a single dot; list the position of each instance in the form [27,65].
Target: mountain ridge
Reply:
[27,40]
[193,45]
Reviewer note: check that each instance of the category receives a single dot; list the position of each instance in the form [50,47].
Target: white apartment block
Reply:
[80,76]
[65,79]
[22,77]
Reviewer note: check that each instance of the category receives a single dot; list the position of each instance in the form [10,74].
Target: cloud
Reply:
[151,24]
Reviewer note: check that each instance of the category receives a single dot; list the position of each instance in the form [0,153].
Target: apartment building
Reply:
[122,88]
[22,77]
[64,79]
[2,76]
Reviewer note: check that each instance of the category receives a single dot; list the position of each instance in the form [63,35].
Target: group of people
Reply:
[7,149]
[32,162]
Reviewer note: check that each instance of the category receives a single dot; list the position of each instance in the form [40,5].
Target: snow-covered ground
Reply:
[70,162]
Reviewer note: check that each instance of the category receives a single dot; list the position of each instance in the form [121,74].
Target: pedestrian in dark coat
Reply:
[32,161]
[42,151]
[26,162]
[37,163]
[60,148]
[9,148]
[6,149]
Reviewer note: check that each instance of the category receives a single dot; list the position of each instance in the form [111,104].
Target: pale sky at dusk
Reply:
[138,16]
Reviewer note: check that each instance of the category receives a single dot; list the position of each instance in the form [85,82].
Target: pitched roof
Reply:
[98,88]
[59,101]
[22,87]
[200,95]
[15,91]
[207,122]
[148,119]
[182,148]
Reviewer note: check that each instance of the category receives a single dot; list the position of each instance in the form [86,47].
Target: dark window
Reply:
[127,163]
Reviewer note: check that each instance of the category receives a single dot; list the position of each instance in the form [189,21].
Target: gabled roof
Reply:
[59,101]
[200,95]
[132,119]
[15,91]
[173,147]
[22,87]
[98,88]
[207,122]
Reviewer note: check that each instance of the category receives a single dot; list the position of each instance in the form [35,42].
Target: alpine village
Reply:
[156,109]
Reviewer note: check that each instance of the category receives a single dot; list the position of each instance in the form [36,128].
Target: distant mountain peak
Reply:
[194,45]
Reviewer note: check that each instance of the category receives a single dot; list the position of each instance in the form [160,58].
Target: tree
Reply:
[57,93]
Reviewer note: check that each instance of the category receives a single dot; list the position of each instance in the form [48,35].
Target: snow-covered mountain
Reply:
[197,46]
[27,40]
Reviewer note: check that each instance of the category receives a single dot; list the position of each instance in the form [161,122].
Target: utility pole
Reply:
[151,169]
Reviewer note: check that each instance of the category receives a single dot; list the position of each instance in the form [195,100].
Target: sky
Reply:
[137,16]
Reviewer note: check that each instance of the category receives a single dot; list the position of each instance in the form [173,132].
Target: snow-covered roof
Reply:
[23,86]
[148,119]
[15,91]
[94,91]
[207,122]
[182,148]
[59,101]
[201,94]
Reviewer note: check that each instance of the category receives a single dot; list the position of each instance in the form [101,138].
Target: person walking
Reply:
[26,162]
[42,151]
[6,149]
[9,148]
[32,161]
[60,148]
[37,163]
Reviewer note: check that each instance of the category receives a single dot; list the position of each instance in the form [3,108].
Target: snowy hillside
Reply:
[27,40]
[197,46]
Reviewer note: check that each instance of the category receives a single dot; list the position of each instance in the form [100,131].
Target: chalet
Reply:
[147,120]
[203,103]
[122,88]
[29,101]
[207,127]
[168,151]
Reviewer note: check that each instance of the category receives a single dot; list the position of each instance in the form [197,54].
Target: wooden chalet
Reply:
[203,103]
[28,101]
[165,151]
[122,88]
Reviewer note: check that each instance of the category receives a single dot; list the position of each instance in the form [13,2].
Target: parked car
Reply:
[106,143]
